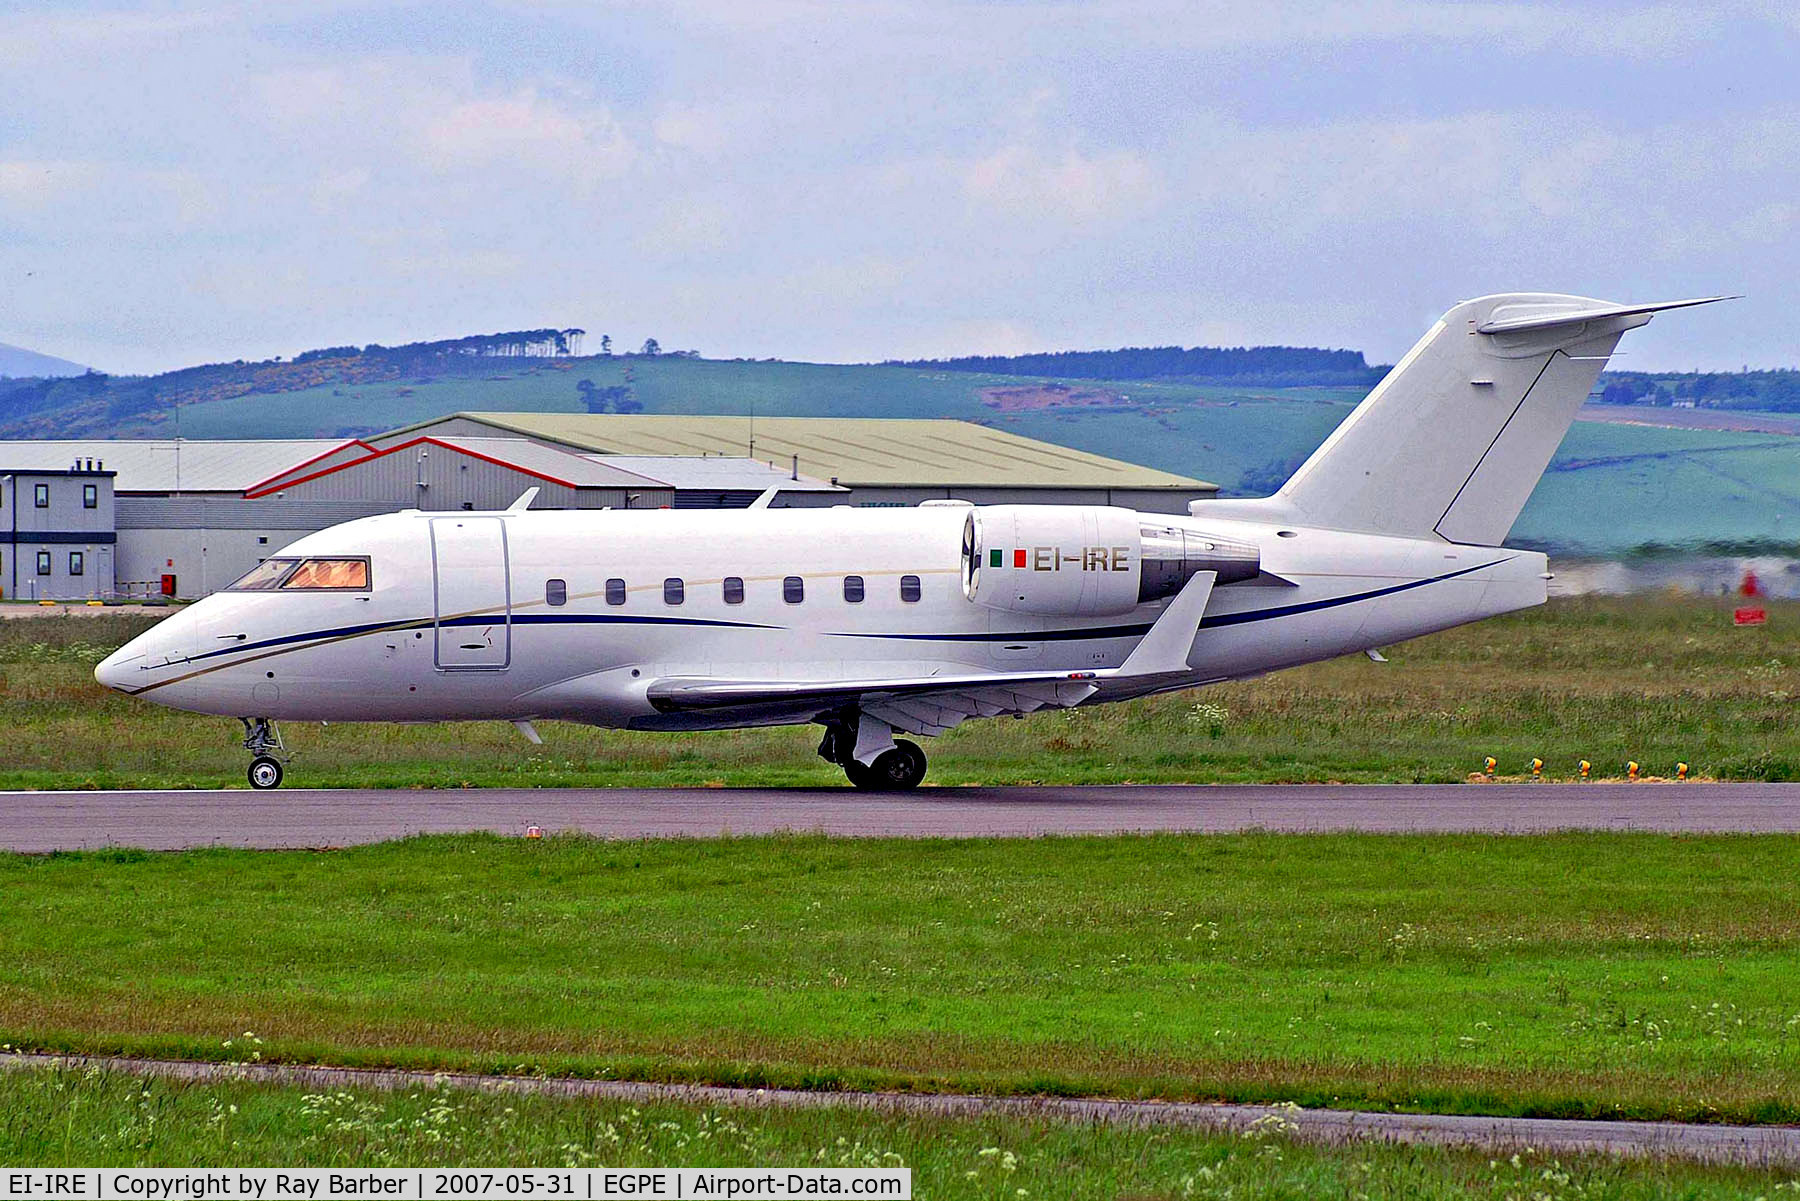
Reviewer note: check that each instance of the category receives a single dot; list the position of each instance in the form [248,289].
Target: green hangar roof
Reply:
[865,451]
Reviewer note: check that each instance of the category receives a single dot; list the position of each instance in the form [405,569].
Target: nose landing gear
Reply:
[262,738]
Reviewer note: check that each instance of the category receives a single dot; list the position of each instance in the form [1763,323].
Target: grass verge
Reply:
[1647,679]
[1602,975]
[59,1118]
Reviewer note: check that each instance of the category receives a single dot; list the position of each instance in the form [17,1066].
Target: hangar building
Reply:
[183,518]
[882,460]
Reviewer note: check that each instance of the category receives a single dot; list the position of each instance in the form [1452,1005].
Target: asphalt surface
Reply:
[1756,1146]
[49,821]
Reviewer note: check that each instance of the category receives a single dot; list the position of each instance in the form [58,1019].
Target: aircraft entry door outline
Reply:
[471,593]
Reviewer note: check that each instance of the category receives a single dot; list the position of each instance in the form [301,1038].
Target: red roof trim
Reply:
[378,454]
[304,463]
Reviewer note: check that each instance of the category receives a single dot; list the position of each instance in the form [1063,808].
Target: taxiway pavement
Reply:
[169,820]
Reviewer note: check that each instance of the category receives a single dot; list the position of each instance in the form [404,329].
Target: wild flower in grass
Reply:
[1209,717]
[1277,1123]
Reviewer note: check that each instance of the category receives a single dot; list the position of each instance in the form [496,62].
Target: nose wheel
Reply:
[262,738]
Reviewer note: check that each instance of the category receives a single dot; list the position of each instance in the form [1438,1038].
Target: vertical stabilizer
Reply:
[1455,438]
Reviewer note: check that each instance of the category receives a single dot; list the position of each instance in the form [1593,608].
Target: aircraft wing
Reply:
[925,705]
[929,705]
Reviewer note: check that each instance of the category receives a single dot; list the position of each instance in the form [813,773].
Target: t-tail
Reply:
[1452,442]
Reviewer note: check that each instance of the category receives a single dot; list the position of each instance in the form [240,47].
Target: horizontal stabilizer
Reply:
[1517,318]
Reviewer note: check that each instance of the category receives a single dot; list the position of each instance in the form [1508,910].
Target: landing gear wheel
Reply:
[265,772]
[898,770]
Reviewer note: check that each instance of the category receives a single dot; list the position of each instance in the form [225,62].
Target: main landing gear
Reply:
[262,738]
[898,768]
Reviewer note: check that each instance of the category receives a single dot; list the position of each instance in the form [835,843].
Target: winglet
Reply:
[524,501]
[762,501]
[1517,318]
[1165,648]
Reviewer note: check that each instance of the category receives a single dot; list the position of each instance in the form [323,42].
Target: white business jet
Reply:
[872,622]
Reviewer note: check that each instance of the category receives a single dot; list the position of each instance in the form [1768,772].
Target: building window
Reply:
[793,589]
[674,591]
[556,592]
[909,588]
[615,592]
[90,496]
[734,590]
[77,562]
[40,496]
[43,562]
[853,589]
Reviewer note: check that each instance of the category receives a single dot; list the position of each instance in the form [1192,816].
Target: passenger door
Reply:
[471,593]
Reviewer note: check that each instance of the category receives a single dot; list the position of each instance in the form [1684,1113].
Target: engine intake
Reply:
[1087,560]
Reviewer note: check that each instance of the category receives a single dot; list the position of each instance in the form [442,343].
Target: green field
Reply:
[1612,487]
[1649,679]
[93,1119]
[1605,975]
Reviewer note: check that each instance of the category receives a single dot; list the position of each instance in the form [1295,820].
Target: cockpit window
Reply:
[316,574]
[264,577]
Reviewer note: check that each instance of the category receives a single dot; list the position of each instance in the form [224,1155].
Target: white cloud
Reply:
[32,186]
[1022,182]
[527,130]
[702,131]
[688,226]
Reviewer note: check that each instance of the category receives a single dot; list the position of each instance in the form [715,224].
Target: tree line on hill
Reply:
[1775,391]
[1269,366]
[98,403]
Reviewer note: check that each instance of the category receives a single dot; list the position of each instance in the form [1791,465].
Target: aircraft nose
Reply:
[115,671]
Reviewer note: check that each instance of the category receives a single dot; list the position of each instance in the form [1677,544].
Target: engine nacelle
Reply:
[1087,560]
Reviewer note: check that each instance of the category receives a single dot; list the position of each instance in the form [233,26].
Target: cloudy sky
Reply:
[843,180]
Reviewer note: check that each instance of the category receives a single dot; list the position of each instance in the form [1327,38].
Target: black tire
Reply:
[898,770]
[265,772]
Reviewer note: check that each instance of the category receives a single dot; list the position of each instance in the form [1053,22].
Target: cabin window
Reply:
[793,589]
[264,577]
[556,592]
[43,562]
[329,575]
[77,562]
[615,591]
[90,496]
[674,591]
[853,589]
[734,590]
[40,496]
[909,588]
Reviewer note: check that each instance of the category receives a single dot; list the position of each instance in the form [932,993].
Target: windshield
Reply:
[329,573]
[264,577]
[306,575]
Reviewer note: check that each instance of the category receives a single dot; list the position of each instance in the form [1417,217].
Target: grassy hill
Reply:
[1612,488]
